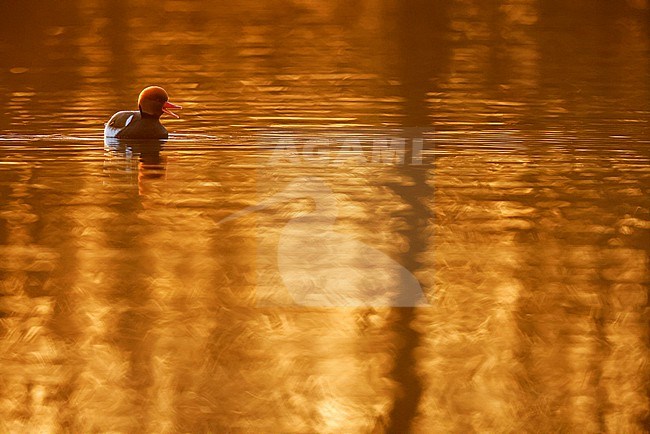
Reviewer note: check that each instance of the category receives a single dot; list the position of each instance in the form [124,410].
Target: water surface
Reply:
[128,304]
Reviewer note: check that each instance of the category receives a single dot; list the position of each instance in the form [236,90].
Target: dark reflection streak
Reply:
[117,33]
[646,380]
[589,34]
[646,238]
[132,273]
[645,245]
[405,407]
[532,305]
[26,232]
[64,323]
[19,235]
[26,42]
[499,67]
[644,16]
[40,232]
[642,211]
[421,30]
[424,52]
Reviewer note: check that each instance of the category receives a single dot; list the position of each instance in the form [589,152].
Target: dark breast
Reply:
[131,125]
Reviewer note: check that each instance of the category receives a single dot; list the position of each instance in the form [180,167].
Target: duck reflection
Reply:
[142,157]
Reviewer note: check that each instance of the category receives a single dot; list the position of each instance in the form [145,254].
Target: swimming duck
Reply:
[145,122]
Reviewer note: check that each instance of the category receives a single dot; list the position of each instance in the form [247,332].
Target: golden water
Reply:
[127,305]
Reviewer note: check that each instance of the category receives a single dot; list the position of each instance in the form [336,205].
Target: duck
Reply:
[143,123]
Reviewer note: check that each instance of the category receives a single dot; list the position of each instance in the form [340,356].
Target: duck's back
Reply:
[131,125]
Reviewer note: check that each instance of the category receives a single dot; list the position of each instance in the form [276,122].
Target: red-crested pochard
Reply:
[145,122]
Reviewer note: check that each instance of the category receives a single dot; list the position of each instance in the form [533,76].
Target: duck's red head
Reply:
[154,101]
